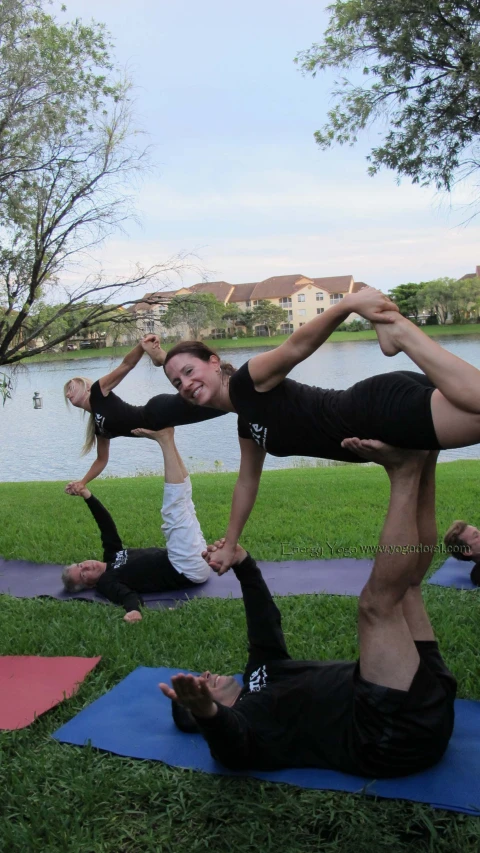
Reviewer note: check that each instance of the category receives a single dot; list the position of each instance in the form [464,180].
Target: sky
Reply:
[239,181]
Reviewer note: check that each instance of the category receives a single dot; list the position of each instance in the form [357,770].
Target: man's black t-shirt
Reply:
[303,420]
[114,417]
[316,714]
[131,571]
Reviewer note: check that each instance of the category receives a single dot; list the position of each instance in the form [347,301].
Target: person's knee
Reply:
[377,604]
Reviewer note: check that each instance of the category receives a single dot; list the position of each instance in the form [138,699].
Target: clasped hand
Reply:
[221,556]
[372,305]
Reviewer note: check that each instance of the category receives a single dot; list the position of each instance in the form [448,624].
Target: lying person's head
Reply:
[84,575]
[463,541]
[224,690]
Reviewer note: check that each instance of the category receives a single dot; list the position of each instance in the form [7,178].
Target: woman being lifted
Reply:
[111,417]
[415,412]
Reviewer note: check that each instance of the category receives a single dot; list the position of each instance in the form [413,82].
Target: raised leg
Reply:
[458,381]
[388,655]
[413,607]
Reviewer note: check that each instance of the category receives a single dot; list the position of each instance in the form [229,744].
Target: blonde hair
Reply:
[90,438]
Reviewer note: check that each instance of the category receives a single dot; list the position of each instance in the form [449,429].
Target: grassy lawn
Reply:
[58,798]
[242,343]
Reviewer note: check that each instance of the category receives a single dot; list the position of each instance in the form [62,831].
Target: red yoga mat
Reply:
[30,685]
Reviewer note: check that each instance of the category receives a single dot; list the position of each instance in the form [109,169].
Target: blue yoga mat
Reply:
[454,573]
[134,719]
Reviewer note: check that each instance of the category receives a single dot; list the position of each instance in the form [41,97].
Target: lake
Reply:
[45,444]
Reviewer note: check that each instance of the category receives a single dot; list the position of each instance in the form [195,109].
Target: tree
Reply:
[421,62]
[407,297]
[69,153]
[437,297]
[268,314]
[465,300]
[194,310]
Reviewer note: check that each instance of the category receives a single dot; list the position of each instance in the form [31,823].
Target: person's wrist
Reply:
[206,713]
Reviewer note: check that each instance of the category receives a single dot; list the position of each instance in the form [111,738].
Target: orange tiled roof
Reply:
[335,283]
[357,285]
[279,285]
[243,292]
[475,274]
[220,289]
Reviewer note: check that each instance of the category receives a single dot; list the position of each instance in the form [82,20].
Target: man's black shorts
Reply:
[398,732]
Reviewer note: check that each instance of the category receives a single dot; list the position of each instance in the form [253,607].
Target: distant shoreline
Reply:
[471,329]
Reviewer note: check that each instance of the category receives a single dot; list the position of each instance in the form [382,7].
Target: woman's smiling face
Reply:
[197,381]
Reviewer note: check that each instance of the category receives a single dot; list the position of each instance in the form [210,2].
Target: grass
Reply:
[58,798]
[249,343]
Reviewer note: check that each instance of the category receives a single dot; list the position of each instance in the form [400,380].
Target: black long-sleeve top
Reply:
[288,712]
[131,571]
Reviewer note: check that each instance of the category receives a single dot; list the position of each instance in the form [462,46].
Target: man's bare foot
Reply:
[159,435]
[387,334]
[381,453]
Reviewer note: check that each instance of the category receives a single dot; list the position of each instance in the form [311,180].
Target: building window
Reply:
[320,310]
[149,326]
[301,297]
[286,328]
[248,303]
[256,301]
[290,315]
[301,312]
[335,297]
[319,296]
[285,302]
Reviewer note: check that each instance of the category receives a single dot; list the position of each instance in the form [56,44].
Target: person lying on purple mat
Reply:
[390,713]
[463,542]
[125,573]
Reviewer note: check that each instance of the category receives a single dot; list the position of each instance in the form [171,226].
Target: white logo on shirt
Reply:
[121,558]
[259,434]
[258,679]
[99,423]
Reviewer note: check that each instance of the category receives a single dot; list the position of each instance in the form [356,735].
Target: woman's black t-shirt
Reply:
[303,420]
[114,417]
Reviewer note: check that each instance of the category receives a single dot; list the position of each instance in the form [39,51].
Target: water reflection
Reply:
[45,444]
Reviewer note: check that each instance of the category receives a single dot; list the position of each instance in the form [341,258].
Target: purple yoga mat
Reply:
[336,577]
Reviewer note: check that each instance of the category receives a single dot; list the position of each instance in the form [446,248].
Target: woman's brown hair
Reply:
[198,350]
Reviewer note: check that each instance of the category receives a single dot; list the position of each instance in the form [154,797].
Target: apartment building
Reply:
[303,298]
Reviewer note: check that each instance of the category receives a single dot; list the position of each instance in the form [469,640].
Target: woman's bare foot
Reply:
[151,345]
[387,334]
[381,453]
[161,436]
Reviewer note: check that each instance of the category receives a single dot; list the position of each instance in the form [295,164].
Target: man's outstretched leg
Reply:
[184,538]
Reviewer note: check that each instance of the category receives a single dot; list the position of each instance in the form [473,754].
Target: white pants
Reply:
[185,541]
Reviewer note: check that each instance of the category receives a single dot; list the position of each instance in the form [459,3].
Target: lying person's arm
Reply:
[111,542]
[229,738]
[119,593]
[226,730]
[264,623]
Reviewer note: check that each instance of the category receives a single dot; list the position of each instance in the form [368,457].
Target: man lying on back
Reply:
[388,714]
